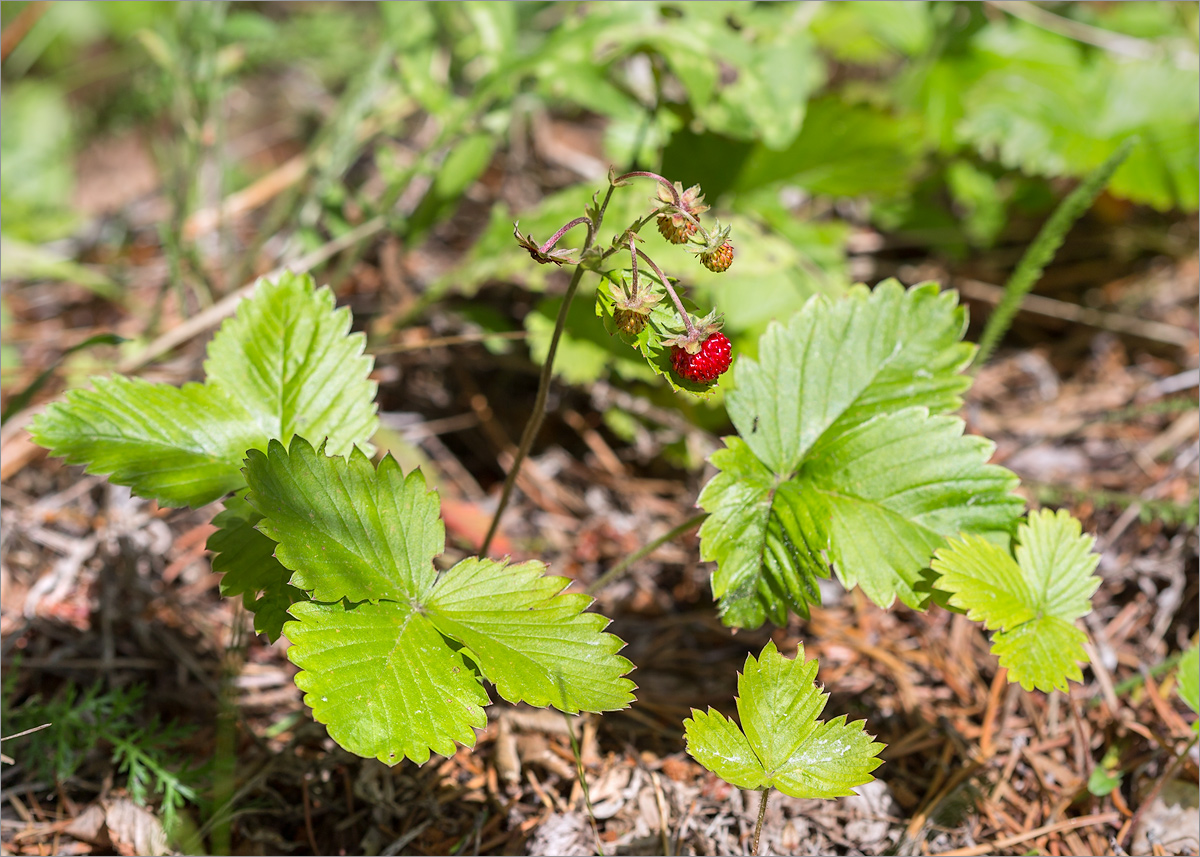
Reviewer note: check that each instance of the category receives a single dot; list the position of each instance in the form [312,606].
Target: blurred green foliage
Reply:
[940,120]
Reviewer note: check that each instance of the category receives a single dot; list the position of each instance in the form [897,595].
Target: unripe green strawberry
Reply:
[718,259]
[629,322]
[675,229]
[672,224]
[707,364]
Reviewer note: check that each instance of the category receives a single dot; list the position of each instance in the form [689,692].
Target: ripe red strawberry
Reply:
[706,365]
[718,260]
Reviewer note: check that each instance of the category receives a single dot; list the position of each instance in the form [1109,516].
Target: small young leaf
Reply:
[1189,679]
[530,639]
[781,742]
[1032,602]
[1102,781]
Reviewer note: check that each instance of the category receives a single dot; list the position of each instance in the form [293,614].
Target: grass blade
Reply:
[1042,250]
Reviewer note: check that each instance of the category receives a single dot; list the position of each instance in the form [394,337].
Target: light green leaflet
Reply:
[1031,602]
[390,650]
[845,459]
[781,742]
[285,364]
[1189,680]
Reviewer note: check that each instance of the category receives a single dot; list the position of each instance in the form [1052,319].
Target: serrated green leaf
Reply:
[1032,602]
[383,681]
[289,359]
[1189,679]
[347,529]
[718,744]
[781,742]
[846,361]
[183,446]
[390,675]
[1043,653]
[840,464]
[246,559]
[530,639]
[283,364]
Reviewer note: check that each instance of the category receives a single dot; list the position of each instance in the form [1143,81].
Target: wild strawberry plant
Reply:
[331,551]
[846,458]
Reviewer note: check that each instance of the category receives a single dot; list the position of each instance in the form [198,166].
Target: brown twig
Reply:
[998,845]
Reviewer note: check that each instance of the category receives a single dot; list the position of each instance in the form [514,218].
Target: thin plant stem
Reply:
[539,402]
[549,245]
[621,567]
[645,174]
[1042,250]
[633,264]
[687,321]
[583,785]
[762,813]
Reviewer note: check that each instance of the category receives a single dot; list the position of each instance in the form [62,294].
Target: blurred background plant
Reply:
[949,126]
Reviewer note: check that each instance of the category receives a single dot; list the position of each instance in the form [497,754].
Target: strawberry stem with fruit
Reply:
[678,223]
[662,278]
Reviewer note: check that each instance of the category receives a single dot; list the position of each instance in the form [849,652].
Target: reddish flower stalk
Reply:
[649,175]
[687,321]
[633,251]
[545,248]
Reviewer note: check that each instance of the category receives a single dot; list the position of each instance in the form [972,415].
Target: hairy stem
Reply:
[762,813]
[645,174]
[633,264]
[539,403]
[549,245]
[687,321]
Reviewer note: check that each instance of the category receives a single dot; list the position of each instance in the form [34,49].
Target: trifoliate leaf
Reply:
[183,446]
[393,675]
[288,358]
[1032,602]
[840,464]
[284,364]
[781,743]
[1189,680]
[346,529]
[384,681]
[530,639]
[246,558]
